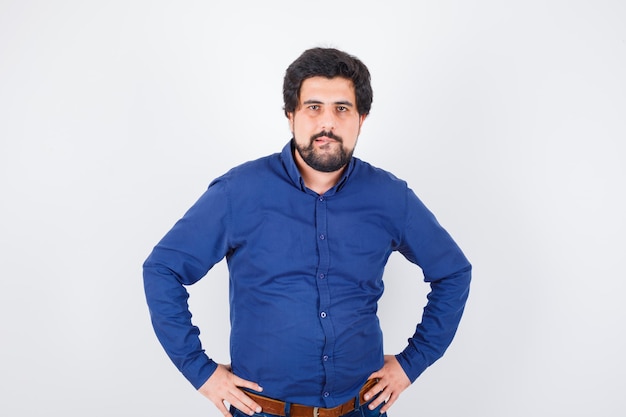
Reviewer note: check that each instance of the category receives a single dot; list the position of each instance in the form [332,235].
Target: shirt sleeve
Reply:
[448,272]
[183,256]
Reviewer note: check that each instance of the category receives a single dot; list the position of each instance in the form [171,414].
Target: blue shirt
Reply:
[306,273]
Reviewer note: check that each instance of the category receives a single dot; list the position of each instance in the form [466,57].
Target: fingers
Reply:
[224,387]
[240,382]
[384,398]
[242,401]
[245,404]
[391,382]
[387,394]
[237,399]
[375,389]
[222,407]
[378,389]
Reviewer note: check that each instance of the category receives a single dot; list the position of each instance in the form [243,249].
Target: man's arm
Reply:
[185,254]
[440,320]
[448,271]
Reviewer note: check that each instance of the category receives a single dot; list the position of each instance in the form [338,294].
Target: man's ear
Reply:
[362,118]
[290,117]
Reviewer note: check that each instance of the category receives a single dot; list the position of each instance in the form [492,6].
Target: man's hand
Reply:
[391,382]
[223,386]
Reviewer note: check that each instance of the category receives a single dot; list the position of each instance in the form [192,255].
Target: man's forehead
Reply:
[327,89]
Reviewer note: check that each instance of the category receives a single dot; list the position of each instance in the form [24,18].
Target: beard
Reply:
[330,161]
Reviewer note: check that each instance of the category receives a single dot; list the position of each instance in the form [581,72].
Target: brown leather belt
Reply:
[276,407]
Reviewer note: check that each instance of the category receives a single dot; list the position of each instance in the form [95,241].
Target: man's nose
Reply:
[328,119]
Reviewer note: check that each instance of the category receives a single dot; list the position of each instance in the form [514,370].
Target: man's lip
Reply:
[325,139]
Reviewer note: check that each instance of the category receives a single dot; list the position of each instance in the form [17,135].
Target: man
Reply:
[306,234]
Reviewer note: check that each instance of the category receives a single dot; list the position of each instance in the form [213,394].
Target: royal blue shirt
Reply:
[306,274]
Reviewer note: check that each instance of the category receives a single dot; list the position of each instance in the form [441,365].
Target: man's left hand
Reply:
[391,382]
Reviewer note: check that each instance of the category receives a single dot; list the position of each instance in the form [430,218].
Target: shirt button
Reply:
[326,394]
[321,198]
[322,276]
[323,314]
[325,357]
[322,237]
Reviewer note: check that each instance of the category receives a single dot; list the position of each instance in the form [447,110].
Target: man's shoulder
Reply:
[252,169]
[377,176]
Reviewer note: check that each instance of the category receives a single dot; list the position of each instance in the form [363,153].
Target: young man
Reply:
[306,234]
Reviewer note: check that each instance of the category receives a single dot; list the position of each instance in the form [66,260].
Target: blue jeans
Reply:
[362,411]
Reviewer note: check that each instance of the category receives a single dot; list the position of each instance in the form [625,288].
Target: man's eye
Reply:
[314,107]
[342,108]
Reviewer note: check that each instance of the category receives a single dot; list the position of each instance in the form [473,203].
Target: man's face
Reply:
[326,123]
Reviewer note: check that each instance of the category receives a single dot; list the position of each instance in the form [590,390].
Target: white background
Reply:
[507,118]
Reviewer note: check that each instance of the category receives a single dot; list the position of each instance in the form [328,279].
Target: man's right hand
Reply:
[223,386]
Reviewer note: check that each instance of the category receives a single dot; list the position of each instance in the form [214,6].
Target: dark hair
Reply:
[329,63]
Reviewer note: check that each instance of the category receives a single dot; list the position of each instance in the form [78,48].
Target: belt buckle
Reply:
[316,412]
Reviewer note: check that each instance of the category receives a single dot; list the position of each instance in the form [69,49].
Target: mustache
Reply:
[329,135]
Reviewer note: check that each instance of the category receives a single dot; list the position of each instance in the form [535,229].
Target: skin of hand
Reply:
[224,386]
[391,382]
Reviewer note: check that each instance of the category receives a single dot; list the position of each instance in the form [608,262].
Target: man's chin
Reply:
[325,158]
[326,163]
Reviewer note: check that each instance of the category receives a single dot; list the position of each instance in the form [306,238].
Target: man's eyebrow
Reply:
[340,102]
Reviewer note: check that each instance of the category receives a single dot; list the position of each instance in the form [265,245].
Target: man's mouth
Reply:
[325,137]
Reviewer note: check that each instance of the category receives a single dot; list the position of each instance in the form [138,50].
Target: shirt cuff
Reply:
[412,362]
[199,370]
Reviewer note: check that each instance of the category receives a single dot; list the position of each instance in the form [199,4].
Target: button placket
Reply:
[323,287]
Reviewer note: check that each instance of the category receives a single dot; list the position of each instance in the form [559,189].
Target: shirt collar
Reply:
[294,174]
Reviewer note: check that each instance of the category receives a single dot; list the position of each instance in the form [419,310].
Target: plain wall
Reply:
[508,119]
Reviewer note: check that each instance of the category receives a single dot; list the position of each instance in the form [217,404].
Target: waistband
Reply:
[277,407]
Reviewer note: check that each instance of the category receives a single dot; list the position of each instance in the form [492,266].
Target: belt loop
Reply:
[316,412]
[287,409]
